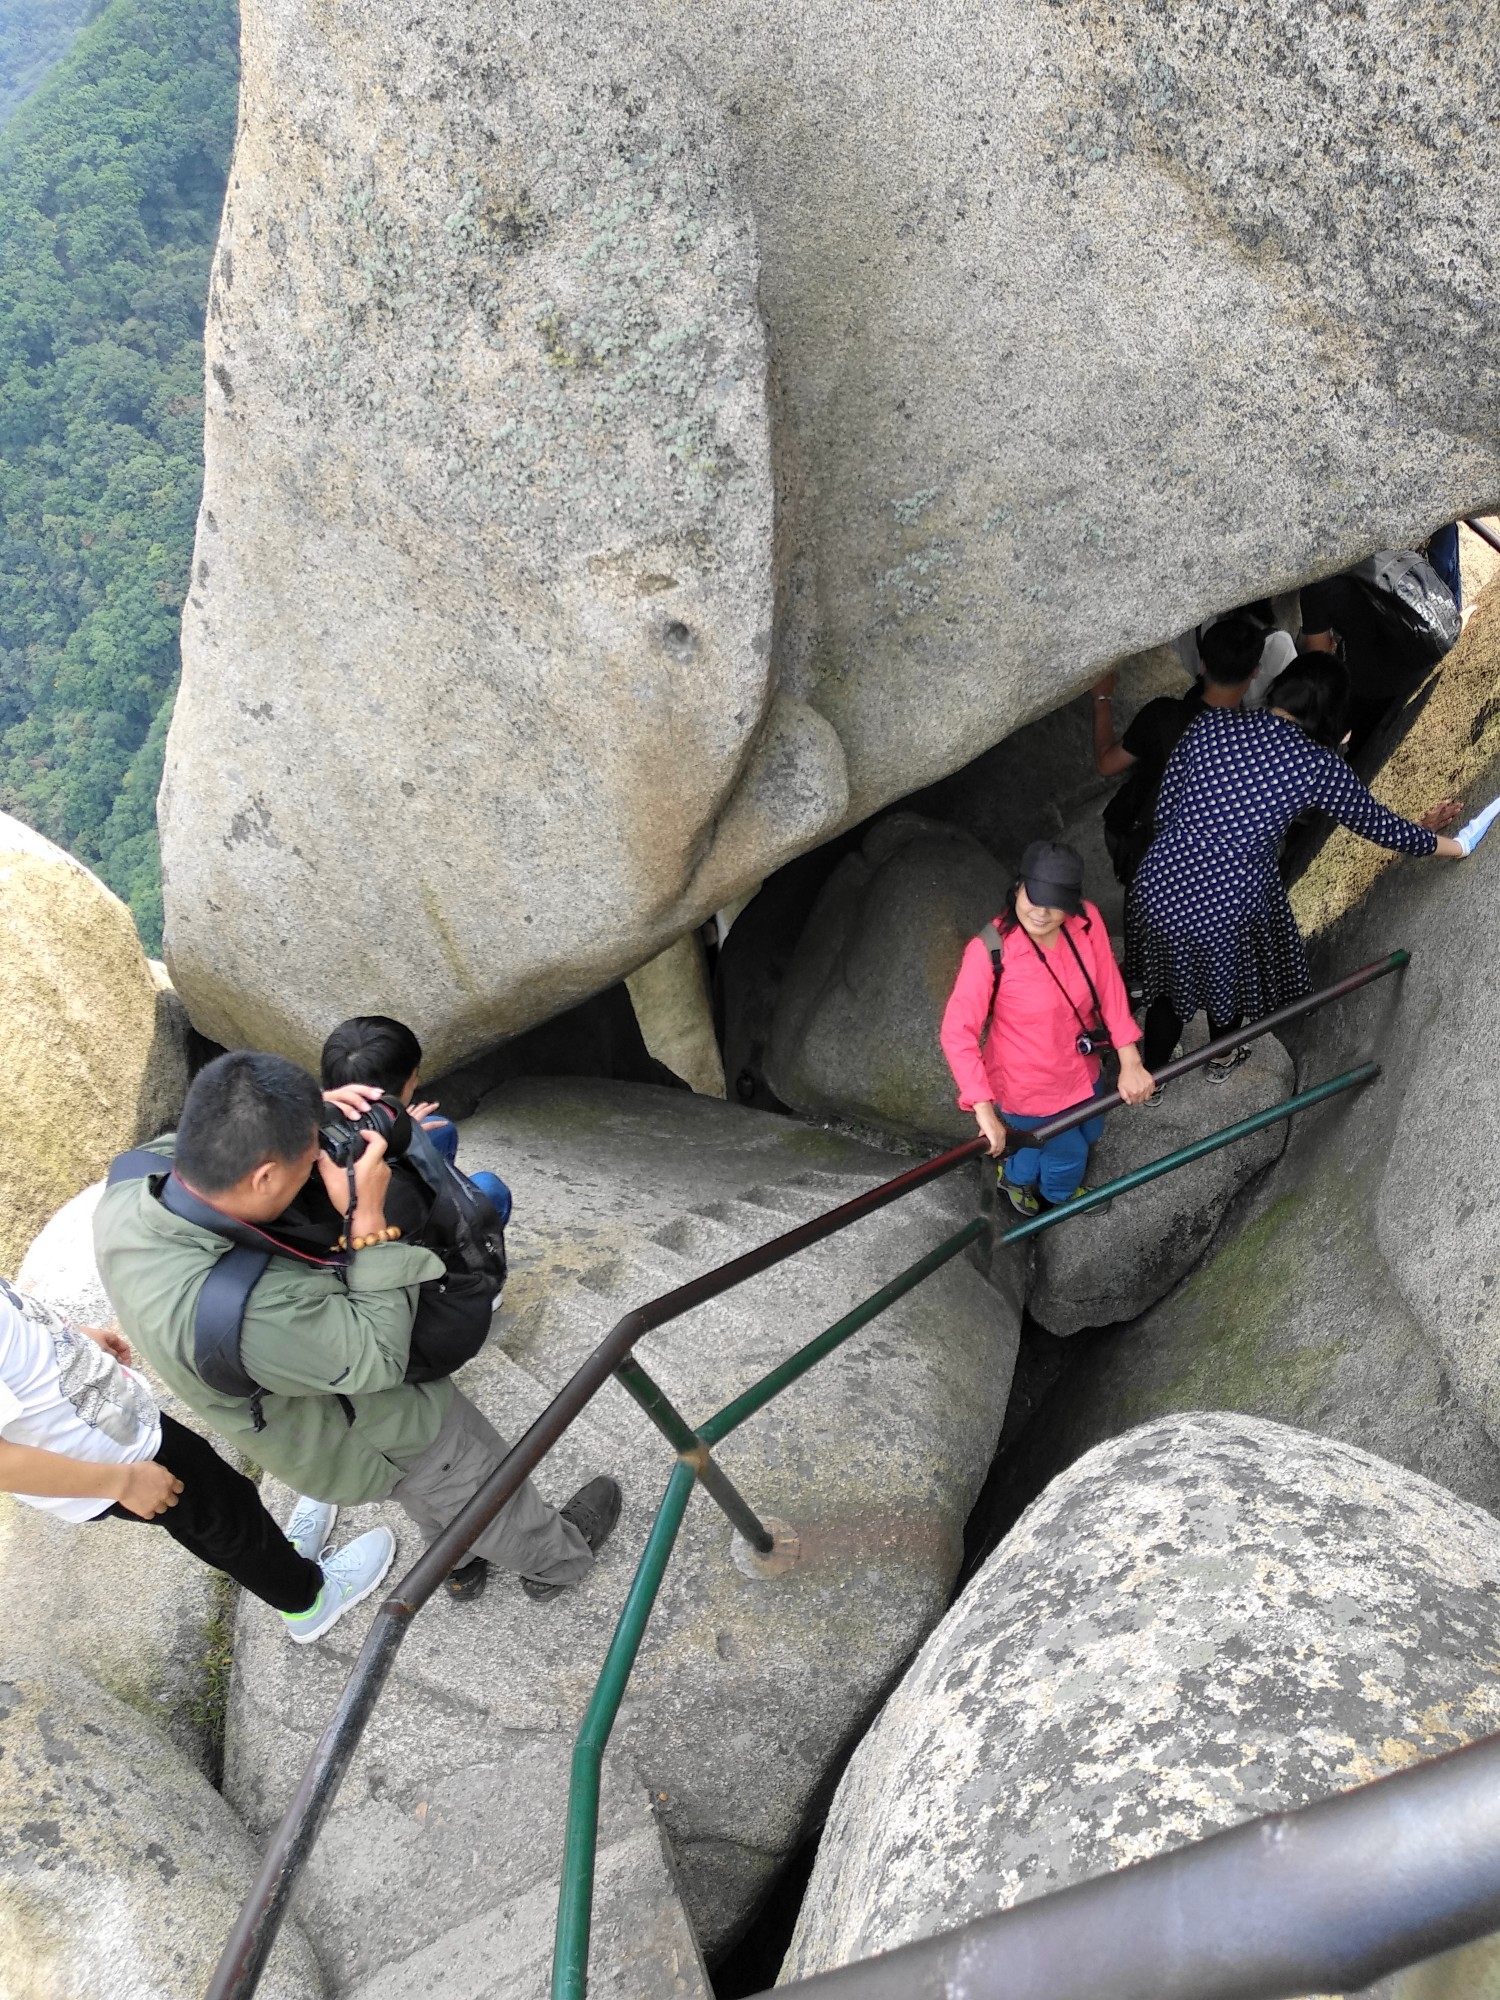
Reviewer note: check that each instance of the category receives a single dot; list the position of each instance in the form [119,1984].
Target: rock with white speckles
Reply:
[1209,1618]
[121,1868]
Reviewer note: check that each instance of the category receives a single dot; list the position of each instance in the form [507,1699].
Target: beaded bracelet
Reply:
[386,1235]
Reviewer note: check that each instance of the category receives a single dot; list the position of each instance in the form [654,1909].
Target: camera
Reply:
[1094,1042]
[339,1137]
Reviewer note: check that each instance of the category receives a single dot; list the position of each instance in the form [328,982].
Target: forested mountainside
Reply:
[33,34]
[111,182]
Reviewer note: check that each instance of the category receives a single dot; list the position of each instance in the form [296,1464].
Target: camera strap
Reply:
[1096,1026]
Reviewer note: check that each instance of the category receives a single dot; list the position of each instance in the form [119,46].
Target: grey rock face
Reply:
[746,1687]
[489,467]
[855,1031]
[121,1868]
[1113,1263]
[118,1599]
[1208,1619]
[487,502]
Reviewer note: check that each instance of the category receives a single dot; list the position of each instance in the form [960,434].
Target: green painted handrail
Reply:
[570,1955]
[575,1897]
[760,1393]
[1185,1155]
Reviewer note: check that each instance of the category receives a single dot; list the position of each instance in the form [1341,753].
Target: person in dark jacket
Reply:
[1207,923]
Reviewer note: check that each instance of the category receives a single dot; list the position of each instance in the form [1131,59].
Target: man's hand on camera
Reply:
[353,1099]
[372,1176]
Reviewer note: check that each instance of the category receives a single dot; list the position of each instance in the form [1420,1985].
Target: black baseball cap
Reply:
[1053,875]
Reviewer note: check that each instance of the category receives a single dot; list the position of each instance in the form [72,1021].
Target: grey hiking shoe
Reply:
[593,1510]
[310,1529]
[1222,1067]
[348,1575]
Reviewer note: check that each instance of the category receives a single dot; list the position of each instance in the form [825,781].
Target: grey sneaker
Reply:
[310,1529]
[348,1575]
[593,1510]
[1221,1067]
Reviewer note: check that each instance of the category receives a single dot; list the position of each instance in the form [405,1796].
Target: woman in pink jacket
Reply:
[1059,998]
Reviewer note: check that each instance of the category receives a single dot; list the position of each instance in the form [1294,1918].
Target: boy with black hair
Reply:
[326,1341]
[81,1438]
[374,1049]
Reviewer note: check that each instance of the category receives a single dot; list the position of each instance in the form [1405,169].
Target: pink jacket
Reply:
[1029,1064]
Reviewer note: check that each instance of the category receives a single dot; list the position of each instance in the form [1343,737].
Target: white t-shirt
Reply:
[1276,656]
[60,1391]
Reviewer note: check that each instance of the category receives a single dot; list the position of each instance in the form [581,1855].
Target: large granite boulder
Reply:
[855,1032]
[121,1868]
[747,1685]
[1206,1620]
[96,1048]
[490,443]
[162,1644]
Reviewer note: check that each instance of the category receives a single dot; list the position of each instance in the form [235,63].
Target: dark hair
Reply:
[1314,692]
[371,1048]
[242,1109]
[1230,650]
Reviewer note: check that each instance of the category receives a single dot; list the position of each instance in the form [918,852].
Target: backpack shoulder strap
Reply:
[994,944]
[217,1323]
[220,1311]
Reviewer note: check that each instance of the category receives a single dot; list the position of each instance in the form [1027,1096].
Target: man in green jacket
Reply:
[328,1345]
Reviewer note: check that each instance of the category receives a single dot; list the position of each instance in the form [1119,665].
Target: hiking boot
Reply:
[1024,1200]
[593,1510]
[1220,1067]
[348,1575]
[310,1529]
[468,1581]
[1083,1187]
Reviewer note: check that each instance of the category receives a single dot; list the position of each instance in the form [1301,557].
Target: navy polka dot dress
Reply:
[1208,923]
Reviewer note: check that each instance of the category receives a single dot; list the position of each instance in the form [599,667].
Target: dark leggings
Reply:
[1163,1030]
[220,1518]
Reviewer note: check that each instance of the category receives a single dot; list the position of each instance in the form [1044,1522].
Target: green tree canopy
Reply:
[33,34]
[111,182]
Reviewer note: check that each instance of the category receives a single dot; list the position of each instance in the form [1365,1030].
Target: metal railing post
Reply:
[693,1451]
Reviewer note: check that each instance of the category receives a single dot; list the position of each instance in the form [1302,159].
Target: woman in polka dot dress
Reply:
[1208,923]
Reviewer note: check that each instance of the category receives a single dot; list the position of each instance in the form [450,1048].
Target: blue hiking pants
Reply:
[1058,1166]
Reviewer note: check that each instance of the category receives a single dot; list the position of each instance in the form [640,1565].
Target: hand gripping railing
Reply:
[240,1965]
[1327,1899]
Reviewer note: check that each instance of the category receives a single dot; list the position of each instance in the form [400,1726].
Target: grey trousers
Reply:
[526,1535]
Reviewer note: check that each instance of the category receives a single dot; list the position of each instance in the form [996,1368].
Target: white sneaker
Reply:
[348,1575]
[310,1529]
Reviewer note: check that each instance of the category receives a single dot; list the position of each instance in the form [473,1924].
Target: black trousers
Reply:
[220,1518]
[1163,1030]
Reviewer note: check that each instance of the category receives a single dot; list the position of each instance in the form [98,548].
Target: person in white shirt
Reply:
[81,1437]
